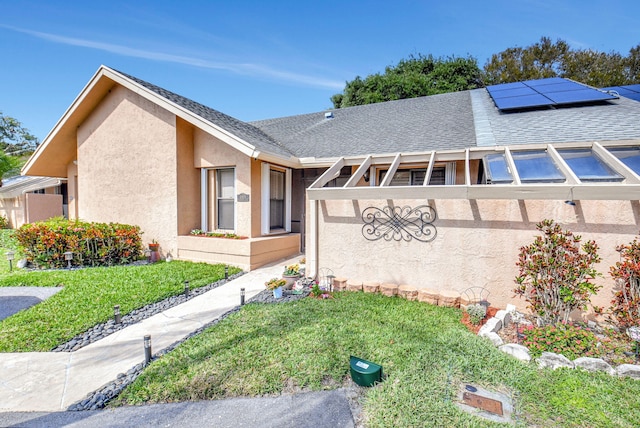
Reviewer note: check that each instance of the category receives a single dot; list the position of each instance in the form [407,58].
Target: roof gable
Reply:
[58,148]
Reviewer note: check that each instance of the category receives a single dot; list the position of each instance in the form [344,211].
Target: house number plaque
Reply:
[243,197]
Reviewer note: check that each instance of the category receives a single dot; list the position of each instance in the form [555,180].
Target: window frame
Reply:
[210,190]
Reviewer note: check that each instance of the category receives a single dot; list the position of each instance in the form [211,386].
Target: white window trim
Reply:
[205,193]
[265,224]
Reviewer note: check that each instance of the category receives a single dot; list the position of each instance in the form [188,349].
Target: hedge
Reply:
[93,244]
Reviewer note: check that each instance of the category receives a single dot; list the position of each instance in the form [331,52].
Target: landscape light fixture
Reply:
[147,349]
[186,288]
[10,256]
[116,314]
[226,272]
[68,256]
[242,296]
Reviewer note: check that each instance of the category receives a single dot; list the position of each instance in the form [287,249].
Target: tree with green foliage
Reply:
[556,59]
[14,138]
[413,77]
[16,144]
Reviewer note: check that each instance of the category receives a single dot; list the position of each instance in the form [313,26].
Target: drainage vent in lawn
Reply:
[490,405]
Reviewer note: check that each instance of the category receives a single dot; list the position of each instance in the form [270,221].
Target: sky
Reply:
[264,59]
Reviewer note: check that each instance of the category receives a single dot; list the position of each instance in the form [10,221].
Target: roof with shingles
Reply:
[607,121]
[448,121]
[249,133]
[438,122]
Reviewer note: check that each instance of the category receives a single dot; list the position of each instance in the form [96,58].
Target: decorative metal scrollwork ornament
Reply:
[399,223]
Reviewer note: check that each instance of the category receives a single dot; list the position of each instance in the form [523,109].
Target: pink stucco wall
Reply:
[477,242]
[126,164]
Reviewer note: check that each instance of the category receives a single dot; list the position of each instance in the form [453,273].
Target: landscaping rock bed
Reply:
[99,399]
[504,318]
[103,330]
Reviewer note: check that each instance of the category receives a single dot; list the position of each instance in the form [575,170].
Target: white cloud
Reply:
[238,68]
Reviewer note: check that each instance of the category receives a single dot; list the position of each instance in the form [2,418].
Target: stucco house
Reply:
[437,191]
[26,199]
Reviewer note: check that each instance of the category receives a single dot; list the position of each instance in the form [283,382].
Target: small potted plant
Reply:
[275,285]
[290,275]
[154,254]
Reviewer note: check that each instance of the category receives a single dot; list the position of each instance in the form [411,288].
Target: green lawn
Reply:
[426,353]
[88,297]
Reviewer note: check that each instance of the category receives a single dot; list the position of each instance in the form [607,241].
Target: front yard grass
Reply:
[88,297]
[426,354]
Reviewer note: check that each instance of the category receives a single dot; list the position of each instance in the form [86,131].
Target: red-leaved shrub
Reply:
[92,244]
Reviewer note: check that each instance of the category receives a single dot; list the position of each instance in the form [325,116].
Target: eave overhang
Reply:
[59,147]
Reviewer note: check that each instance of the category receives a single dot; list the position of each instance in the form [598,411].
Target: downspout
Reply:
[313,233]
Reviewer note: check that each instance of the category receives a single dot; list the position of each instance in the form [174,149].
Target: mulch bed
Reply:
[491,311]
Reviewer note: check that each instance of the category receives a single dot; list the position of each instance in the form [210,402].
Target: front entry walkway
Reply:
[52,381]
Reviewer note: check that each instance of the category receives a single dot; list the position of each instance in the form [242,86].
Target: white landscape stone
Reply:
[594,365]
[629,370]
[554,361]
[504,316]
[518,351]
[494,338]
[493,325]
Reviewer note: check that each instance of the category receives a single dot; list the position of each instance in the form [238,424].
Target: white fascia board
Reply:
[560,192]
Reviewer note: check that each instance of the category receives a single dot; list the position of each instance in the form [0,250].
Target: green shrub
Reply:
[4,222]
[554,276]
[93,244]
[625,306]
[476,312]
[577,340]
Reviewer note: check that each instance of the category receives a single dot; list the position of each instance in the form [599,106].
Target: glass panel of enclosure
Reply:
[496,169]
[587,166]
[630,156]
[536,166]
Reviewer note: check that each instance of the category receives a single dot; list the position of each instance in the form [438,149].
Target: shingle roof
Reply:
[441,122]
[607,121]
[243,130]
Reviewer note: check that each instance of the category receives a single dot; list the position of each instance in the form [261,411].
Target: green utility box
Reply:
[365,373]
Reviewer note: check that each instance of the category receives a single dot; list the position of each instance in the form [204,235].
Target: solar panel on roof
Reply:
[628,91]
[543,82]
[579,96]
[505,86]
[544,92]
[515,92]
[536,100]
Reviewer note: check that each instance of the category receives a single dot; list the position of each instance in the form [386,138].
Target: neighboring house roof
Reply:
[15,186]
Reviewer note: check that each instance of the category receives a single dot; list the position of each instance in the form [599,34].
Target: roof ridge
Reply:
[212,115]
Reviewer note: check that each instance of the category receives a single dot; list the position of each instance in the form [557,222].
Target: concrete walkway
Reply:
[52,381]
